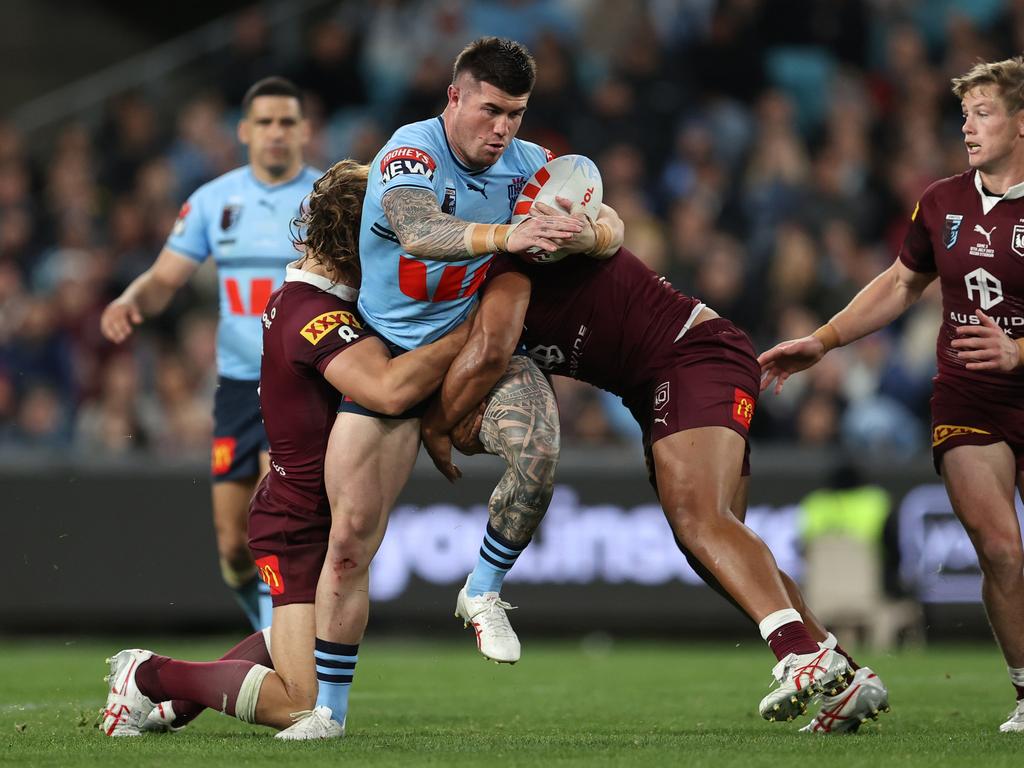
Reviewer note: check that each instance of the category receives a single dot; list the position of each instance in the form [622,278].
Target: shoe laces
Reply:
[492,616]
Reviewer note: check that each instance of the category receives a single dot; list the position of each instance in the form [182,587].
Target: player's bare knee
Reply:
[1001,558]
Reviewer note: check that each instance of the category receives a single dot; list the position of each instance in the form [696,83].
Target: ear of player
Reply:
[573,177]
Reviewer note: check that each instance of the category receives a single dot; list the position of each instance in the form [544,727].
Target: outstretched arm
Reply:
[879,303]
[147,295]
[424,230]
[477,368]
[369,375]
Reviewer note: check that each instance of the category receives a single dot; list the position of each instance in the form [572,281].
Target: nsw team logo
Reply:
[951,229]
[229,215]
[315,330]
[1017,240]
[406,160]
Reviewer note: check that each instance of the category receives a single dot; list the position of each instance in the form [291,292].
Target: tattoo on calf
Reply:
[521,425]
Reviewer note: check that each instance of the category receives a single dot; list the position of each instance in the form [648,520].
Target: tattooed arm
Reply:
[424,230]
[477,368]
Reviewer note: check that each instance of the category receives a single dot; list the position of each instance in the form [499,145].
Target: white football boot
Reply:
[495,637]
[1015,723]
[126,708]
[160,719]
[800,677]
[312,724]
[844,713]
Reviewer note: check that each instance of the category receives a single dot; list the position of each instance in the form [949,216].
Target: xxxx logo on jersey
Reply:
[943,432]
[317,328]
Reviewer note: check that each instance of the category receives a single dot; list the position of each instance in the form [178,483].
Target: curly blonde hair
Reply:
[328,226]
[1007,76]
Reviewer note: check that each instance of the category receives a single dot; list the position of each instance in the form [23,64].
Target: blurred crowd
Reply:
[765,156]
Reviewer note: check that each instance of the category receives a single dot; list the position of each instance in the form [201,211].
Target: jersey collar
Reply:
[280,184]
[294,275]
[988,202]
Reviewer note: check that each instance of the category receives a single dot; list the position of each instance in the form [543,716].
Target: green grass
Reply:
[565,704]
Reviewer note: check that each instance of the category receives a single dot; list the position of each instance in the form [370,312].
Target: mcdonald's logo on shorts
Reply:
[742,407]
[223,454]
[942,432]
[269,570]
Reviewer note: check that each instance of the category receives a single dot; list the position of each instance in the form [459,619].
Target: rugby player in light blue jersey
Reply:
[242,219]
[437,201]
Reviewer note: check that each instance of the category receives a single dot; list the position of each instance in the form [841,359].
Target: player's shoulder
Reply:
[227,183]
[529,153]
[427,135]
[304,311]
[950,189]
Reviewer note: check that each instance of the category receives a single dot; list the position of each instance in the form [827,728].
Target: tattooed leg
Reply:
[520,424]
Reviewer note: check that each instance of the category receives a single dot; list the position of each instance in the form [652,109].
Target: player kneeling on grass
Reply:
[691,380]
[308,324]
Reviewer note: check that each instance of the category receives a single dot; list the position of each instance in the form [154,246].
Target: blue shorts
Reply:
[348,405]
[238,435]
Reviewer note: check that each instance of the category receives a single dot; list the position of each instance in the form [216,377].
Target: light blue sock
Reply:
[248,597]
[497,556]
[266,604]
[335,666]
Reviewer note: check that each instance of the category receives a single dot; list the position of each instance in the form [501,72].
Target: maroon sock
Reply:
[253,648]
[1020,691]
[210,683]
[791,638]
[854,666]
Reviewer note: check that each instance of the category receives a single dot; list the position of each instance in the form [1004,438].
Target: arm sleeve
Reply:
[410,160]
[327,328]
[188,235]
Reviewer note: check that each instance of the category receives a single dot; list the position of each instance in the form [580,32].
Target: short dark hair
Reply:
[503,63]
[271,86]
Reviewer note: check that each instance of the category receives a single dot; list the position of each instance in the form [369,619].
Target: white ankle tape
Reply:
[1016,675]
[773,621]
[249,693]
[829,642]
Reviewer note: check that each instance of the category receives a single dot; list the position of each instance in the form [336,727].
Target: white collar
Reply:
[988,201]
[293,274]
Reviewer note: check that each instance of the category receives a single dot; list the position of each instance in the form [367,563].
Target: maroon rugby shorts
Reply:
[714,382]
[969,413]
[289,544]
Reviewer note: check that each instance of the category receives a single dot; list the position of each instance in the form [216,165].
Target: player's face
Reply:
[275,133]
[991,133]
[481,120]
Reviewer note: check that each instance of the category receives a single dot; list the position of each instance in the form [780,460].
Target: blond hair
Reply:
[1007,76]
[328,227]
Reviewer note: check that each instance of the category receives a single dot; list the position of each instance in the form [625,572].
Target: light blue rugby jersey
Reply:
[413,301]
[246,226]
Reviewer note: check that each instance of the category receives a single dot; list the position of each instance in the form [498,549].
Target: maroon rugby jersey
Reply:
[306,323]
[612,323]
[976,244]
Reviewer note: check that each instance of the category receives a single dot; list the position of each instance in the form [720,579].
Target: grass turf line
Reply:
[427,704]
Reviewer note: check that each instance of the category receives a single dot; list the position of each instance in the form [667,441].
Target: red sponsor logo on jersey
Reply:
[406,160]
[943,432]
[179,223]
[223,454]
[315,330]
[742,407]
[269,569]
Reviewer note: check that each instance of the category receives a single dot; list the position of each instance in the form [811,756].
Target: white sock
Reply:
[829,642]
[773,621]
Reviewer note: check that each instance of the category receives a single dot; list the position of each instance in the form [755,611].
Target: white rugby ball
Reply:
[573,177]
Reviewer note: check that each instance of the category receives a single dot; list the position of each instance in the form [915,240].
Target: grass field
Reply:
[565,704]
